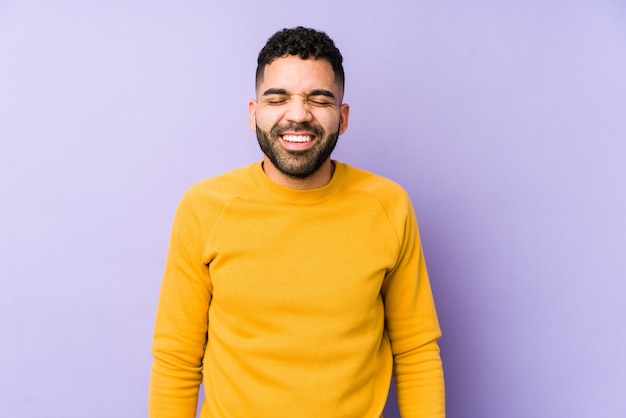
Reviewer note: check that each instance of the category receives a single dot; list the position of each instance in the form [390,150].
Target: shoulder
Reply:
[223,186]
[384,190]
[390,197]
[212,194]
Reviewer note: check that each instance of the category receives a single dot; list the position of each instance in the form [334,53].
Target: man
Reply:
[295,285]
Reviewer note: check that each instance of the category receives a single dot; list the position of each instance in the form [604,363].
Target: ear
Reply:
[344,113]
[252,114]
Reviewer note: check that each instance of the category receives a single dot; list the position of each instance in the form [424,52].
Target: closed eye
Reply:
[318,97]
[275,99]
[320,101]
[321,97]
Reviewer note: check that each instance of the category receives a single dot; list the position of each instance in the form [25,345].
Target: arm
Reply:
[182,321]
[413,329]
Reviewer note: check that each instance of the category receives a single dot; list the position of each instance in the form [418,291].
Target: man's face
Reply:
[298,116]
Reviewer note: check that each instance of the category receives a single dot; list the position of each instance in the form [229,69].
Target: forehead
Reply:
[296,74]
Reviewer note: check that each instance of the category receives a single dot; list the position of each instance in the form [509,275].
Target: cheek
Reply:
[329,121]
[266,118]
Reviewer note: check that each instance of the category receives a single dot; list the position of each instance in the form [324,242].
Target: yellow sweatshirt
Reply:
[295,303]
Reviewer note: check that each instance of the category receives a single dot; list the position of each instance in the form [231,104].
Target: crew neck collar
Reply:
[296,196]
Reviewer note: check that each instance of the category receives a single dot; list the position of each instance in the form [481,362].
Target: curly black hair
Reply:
[305,43]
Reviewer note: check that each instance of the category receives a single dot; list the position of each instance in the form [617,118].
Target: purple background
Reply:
[505,121]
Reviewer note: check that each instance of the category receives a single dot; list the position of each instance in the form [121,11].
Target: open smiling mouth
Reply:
[297,138]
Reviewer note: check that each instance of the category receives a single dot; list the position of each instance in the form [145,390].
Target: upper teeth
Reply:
[297,138]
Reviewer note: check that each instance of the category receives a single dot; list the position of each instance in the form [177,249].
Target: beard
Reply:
[297,164]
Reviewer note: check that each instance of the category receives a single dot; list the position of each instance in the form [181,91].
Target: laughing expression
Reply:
[298,117]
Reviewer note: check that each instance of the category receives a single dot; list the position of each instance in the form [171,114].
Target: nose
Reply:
[298,110]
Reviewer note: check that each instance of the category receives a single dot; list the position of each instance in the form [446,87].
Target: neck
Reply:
[318,179]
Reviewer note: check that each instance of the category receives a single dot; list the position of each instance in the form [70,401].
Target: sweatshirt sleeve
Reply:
[413,328]
[182,320]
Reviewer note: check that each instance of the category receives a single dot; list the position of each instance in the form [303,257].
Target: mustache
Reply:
[297,127]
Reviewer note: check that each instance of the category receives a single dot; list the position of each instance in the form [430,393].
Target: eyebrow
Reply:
[316,92]
[322,92]
[274,91]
